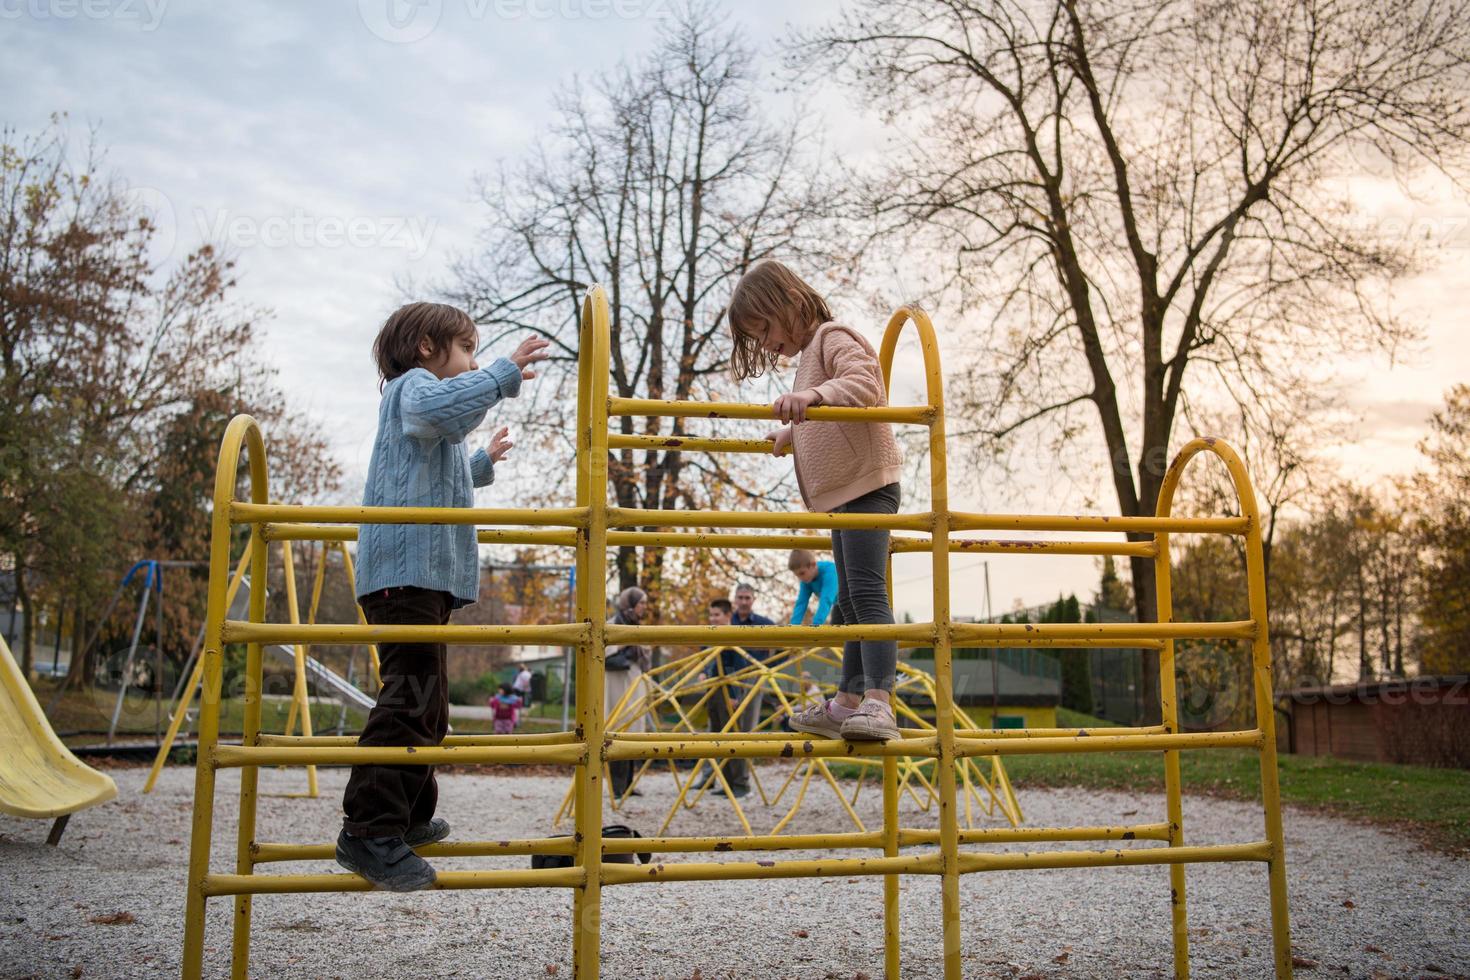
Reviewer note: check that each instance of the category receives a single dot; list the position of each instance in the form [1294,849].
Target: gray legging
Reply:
[862,593]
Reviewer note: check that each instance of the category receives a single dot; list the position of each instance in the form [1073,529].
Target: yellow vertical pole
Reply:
[300,698]
[890,882]
[249,775]
[949,841]
[186,698]
[318,580]
[591,561]
[891,952]
[361,616]
[1266,722]
[241,429]
[1169,712]
[1261,677]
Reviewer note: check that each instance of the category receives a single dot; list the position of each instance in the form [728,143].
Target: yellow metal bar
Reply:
[767,636]
[689,444]
[649,407]
[1106,743]
[891,834]
[267,852]
[236,631]
[231,756]
[992,633]
[971,861]
[791,747]
[706,539]
[347,532]
[262,513]
[1261,679]
[643,517]
[1022,835]
[445,881]
[1169,713]
[1026,641]
[719,845]
[249,778]
[994,546]
[1118,525]
[273,852]
[622,874]
[626,874]
[524,738]
[944,706]
[241,430]
[672,539]
[1051,732]
[591,574]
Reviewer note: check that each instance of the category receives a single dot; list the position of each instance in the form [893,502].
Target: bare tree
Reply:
[116,380]
[1134,191]
[663,182]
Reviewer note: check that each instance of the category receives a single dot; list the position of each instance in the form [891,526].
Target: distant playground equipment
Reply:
[673,696]
[127,670]
[237,598]
[39,777]
[590,528]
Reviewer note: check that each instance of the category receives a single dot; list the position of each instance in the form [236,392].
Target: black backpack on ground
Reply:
[617,830]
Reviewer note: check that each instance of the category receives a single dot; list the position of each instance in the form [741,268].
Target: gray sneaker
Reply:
[816,719]
[387,862]
[427,833]
[872,721]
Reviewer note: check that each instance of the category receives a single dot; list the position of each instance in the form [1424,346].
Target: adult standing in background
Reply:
[737,771]
[522,687]
[745,615]
[623,671]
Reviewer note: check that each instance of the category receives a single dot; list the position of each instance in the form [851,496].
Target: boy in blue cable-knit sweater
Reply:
[434,395]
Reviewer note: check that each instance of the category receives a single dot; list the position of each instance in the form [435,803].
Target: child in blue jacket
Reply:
[434,395]
[817,578]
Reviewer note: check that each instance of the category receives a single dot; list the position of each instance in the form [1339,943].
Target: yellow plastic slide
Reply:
[39,777]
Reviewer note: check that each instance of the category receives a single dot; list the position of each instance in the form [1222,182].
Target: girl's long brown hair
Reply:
[770,292]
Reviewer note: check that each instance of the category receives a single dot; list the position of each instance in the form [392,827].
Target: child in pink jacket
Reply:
[842,467]
[506,709]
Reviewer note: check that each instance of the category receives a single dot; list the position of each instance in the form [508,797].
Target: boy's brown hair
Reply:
[770,292]
[800,558]
[396,349]
[723,605]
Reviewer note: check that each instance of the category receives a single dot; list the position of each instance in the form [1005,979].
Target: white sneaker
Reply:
[872,721]
[816,719]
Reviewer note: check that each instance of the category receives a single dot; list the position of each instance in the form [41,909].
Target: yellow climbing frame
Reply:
[778,680]
[591,527]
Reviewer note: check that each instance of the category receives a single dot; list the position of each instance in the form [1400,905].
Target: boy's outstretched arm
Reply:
[450,408]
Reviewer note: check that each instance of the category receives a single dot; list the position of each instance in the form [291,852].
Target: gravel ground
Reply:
[1364,902]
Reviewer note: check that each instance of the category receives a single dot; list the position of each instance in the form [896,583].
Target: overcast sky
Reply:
[330,148]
